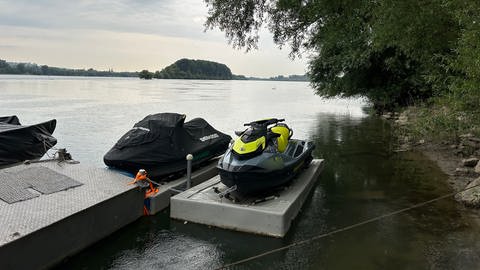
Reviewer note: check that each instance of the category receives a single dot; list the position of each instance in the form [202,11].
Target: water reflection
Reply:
[364,178]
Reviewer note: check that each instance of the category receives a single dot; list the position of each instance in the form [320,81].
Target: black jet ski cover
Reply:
[160,142]
[19,143]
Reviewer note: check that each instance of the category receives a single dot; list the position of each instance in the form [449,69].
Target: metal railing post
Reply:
[189,170]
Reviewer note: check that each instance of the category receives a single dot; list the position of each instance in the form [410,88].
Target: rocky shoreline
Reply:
[460,160]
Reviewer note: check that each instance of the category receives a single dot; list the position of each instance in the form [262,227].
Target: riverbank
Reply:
[456,155]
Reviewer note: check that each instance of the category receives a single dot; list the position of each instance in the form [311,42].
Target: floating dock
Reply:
[50,210]
[270,216]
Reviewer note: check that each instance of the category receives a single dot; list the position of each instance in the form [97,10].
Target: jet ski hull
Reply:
[266,172]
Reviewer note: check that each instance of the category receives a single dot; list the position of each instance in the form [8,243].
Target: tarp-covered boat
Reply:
[19,143]
[160,142]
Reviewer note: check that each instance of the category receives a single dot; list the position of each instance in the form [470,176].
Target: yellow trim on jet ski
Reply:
[282,141]
[245,148]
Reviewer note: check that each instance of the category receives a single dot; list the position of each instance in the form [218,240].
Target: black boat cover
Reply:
[160,142]
[19,143]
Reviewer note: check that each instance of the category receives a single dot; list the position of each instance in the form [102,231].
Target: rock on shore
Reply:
[471,197]
[470,162]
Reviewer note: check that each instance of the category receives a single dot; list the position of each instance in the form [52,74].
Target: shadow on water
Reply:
[363,178]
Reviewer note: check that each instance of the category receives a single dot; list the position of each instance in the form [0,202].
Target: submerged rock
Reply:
[477,168]
[470,162]
[471,197]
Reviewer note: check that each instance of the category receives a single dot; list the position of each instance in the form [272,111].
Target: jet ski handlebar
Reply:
[264,122]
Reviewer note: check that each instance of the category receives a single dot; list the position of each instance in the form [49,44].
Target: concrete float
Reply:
[273,217]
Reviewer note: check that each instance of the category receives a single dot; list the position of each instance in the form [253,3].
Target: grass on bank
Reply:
[444,119]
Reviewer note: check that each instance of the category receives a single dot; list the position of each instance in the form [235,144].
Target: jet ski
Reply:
[19,143]
[160,142]
[263,157]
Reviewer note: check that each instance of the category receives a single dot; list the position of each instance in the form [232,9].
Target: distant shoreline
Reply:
[134,77]
[32,69]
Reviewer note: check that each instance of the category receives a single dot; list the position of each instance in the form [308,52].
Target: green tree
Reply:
[4,67]
[21,68]
[44,69]
[145,74]
[465,80]
[389,51]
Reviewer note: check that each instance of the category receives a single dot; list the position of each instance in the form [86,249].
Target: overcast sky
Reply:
[127,35]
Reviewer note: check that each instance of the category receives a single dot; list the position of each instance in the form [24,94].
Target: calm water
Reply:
[363,178]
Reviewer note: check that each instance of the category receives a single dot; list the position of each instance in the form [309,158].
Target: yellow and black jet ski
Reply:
[263,157]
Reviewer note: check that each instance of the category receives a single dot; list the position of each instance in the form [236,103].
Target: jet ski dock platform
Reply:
[271,215]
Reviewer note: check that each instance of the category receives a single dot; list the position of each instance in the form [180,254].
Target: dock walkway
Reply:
[53,210]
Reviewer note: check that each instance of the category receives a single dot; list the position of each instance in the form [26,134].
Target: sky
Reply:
[128,35]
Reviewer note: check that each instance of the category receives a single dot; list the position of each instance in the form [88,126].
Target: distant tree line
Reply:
[34,69]
[297,78]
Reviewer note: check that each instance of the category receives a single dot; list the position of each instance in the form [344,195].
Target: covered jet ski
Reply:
[160,142]
[263,157]
[19,143]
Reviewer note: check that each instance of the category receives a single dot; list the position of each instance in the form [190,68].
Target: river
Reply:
[363,177]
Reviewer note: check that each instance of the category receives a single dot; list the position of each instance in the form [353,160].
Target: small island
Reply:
[191,69]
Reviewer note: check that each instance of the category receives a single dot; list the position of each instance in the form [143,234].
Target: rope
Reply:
[349,227]
[46,147]
[61,155]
